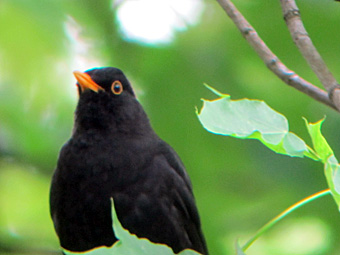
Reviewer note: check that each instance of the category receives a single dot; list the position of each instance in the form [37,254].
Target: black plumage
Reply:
[114,152]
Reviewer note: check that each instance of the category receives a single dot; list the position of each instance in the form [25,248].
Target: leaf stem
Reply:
[283,214]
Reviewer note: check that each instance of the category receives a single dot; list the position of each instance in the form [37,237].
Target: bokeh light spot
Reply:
[156,21]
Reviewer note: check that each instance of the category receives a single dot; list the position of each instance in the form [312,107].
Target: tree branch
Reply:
[292,16]
[270,59]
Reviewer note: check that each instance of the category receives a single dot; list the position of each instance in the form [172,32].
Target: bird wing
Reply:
[185,201]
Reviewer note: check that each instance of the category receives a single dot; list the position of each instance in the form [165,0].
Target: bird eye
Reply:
[117,87]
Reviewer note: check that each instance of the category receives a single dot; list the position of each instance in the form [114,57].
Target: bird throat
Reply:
[92,115]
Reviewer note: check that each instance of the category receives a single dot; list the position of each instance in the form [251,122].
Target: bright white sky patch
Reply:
[80,48]
[156,21]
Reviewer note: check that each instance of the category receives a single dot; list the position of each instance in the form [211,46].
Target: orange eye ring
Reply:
[117,87]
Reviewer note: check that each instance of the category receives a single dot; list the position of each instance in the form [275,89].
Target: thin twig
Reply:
[284,214]
[270,59]
[291,14]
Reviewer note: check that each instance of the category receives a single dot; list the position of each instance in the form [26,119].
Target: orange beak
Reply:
[85,82]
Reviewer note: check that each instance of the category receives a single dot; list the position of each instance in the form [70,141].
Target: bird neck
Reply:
[131,123]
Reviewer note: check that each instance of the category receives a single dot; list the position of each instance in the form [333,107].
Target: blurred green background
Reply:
[168,49]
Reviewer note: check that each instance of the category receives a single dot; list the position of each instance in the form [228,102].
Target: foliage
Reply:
[238,185]
[130,244]
[254,119]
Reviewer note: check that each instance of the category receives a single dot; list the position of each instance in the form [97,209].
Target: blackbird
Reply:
[114,152]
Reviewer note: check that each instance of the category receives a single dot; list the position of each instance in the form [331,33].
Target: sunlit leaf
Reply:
[326,155]
[320,144]
[332,172]
[252,119]
[239,250]
[130,244]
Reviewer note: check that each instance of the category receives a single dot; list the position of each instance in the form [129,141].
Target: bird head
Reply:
[107,101]
[108,79]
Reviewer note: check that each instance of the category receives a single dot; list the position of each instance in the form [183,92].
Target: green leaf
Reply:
[130,244]
[321,147]
[326,155]
[97,251]
[252,119]
[332,172]
[239,250]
